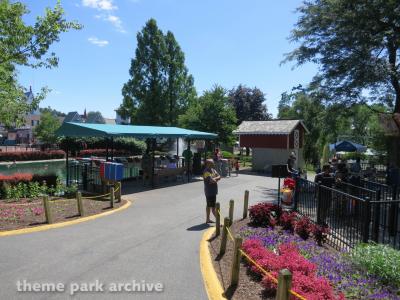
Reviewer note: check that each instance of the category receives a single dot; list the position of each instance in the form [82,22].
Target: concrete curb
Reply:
[211,283]
[63,224]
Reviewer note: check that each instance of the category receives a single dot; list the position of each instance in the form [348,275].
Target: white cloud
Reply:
[114,20]
[100,4]
[95,41]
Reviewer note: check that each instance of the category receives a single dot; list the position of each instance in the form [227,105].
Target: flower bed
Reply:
[26,185]
[319,272]
[31,155]
[26,214]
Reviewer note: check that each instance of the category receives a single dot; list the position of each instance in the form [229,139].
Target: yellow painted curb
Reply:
[213,286]
[63,224]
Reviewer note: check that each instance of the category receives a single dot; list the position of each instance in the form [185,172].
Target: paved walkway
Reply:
[156,240]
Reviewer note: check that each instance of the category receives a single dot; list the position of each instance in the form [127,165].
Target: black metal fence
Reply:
[87,176]
[354,213]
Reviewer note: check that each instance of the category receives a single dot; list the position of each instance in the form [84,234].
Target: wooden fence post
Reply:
[47,210]
[236,261]
[119,187]
[284,285]
[80,204]
[217,219]
[112,197]
[246,204]
[224,236]
[231,207]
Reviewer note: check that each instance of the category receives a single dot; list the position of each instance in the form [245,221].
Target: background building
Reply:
[272,142]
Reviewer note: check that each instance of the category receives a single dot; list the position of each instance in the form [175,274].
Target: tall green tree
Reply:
[160,86]
[300,105]
[249,104]
[356,44]
[212,113]
[95,117]
[45,130]
[25,45]
[180,91]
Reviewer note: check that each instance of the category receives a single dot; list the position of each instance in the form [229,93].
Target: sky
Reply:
[226,42]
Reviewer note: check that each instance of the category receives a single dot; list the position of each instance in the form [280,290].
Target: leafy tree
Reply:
[53,111]
[330,123]
[356,43]
[25,45]
[249,104]
[300,105]
[160,87]
[45,130]
[212,113]
[95,117]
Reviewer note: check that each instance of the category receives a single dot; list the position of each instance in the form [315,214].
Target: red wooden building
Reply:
[273,141]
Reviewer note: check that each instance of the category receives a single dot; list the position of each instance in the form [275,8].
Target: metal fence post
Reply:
[231,207]
[284,285]
[246,204]
[217,219]
[393,213]
[367,220]
[236,261]
[377,216]
[318,190]
[296,194]
[224,236]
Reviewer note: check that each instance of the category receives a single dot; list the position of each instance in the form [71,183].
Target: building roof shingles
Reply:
[268,127]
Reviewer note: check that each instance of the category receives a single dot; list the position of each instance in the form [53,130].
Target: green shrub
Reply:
[227,154]
[379,260]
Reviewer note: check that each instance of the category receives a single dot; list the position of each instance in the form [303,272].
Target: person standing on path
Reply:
[211,178]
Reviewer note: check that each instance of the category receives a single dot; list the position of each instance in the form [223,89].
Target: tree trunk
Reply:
[247,151]
[394,79]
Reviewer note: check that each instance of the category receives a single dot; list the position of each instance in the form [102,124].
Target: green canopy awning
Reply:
[70,129]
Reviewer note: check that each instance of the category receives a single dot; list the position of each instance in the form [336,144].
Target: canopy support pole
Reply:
[177,152]
[112,148]
[106,149]
[205,152]
[153,142]
[188,161]
[67,166]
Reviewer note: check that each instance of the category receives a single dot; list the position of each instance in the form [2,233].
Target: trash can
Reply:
[197,163]
[224,167]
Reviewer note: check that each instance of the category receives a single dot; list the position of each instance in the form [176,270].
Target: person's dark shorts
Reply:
[211,200]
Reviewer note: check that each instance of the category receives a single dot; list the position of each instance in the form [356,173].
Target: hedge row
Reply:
[31,155]
[14,179]
[101,152]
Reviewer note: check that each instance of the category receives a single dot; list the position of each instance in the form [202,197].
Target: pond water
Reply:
[48,167]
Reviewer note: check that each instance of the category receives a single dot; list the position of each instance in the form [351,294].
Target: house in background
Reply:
[120,120]
[25,133]
[75,117]
[272,142]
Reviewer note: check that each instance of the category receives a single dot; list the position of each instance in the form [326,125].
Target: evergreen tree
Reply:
[160,87]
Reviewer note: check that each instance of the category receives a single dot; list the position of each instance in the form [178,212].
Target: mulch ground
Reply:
[249,287]
[27,213]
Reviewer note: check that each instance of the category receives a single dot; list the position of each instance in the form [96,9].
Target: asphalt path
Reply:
[154,241]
